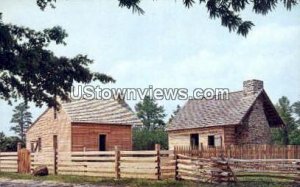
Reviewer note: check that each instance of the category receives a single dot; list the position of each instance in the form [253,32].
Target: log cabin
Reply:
[83,125]
[246,117]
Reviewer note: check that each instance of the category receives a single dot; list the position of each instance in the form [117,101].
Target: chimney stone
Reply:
[251,87]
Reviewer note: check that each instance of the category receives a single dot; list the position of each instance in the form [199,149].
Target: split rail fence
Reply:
[203,169]
[8,161]
[248,151]
[156,164]
[244,160]
[202,164]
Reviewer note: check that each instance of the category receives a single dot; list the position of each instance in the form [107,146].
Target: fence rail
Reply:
[100,164]
[8,161]
[43,159]
[156,164]
[248,151]
[283,166]
[201,164]
[203,169]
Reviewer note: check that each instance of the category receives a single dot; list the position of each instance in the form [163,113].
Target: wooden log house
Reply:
[244,118]
[83,125]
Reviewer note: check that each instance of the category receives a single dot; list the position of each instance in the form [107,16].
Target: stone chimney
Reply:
[251,87]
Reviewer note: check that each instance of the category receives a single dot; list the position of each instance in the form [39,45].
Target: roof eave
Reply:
[224,125]
[100,123]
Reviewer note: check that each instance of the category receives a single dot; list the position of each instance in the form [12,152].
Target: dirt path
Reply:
[32,183]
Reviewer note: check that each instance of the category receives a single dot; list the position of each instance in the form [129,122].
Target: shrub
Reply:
[145,139]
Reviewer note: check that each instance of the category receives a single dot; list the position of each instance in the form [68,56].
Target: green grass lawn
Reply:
[243,181]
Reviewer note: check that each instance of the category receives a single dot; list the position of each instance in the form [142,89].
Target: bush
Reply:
[145,139]
[8,143]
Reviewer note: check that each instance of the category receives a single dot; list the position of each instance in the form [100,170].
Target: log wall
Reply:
[86,136]
[182,137]
[46,127]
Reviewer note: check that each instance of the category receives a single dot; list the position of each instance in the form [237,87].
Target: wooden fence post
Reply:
[117,162]
[157,148]
[230,151]
[19,146]
[176,166]
[18,155]
[0,160]
[85,165]
[201,150]
[289,150]
[264,153]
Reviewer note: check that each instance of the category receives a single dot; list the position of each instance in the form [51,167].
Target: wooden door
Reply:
[55,146]
[102,142]
[23,161]
[194,138]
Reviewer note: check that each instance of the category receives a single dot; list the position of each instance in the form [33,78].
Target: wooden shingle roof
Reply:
[208,113]
[100,111]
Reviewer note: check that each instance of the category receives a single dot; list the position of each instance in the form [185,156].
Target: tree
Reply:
[296,110]
[144,139]
[286,133]
[295,135]
[30,71]
[228,11]
[175,112]
[153,131]
[22,119]
[2,136]
[8,143]
[150,113]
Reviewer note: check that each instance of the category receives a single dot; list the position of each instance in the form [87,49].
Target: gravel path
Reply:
[31,183]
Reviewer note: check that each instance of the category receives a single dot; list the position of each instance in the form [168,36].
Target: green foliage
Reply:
[295,137]
[2,135]
[8,143]
[30,71]
[145,139]
[296,110]
[153,131]
[277,136]
[175,112]
[150,113]
[44,3]
[290,133]
[22,118]
[228,11]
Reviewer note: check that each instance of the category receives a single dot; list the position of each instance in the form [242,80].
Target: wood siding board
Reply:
[87,135]
[182,137]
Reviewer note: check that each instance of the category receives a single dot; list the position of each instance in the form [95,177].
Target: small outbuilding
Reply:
[83,125]
[246,117]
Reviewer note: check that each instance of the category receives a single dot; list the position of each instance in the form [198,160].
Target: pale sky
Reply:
[169,47]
